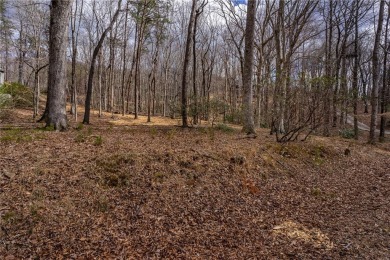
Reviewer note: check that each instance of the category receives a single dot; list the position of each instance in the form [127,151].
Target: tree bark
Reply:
[384,97]
[56,96]
[248,120]
[187,54]
[375,75]
[355,88]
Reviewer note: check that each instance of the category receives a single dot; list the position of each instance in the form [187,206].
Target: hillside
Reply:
[118,190]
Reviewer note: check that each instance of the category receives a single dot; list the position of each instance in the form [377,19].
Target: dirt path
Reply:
[362,126]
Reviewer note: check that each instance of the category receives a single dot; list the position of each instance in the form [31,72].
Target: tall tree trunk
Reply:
[74,37]
[329,81]
[100,72]
[187,54]
[92,67]
[195,115]
[137,75]
[248,120]
[375,75]
[124,63]
[355,88]
[21,54]
[384,82]
[343,86]
[55,114]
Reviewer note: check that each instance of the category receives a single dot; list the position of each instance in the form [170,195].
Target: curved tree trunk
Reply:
[92,68]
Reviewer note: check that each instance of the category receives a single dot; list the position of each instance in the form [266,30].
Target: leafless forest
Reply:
[199,129]
[315,63]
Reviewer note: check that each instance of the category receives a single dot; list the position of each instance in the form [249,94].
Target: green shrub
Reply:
[22,96]
[80,138]
[15,135]
[5,100]
[79,126]
[233,117]
[98,141]
[224,128]
[347,133]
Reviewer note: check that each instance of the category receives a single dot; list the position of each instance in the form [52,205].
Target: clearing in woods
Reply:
[119,188]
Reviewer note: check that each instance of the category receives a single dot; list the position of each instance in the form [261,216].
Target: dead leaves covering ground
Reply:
[164,192]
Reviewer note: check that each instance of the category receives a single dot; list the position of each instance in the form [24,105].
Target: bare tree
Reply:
[93,61]
[75,28]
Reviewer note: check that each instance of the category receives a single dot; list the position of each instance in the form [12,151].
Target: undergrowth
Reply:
[22,96]
[18,135]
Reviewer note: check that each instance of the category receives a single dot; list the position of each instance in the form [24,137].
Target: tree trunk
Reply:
[92,67]
[248,120]
[21,54]
[55,114]
[187,54]
[384,83]
[375,75]
[355,88]
[124,62]
[329,83]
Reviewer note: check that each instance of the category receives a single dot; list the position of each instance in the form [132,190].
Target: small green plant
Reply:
[49,128]
[347,133]
[101,204]
[80,138]
[153,132]
[80,126]
[89,130]
[38,194]
[224,128]
[211,133]
[158,177]
[319,154]
[34,211]
[98,141]
[316,192]
[5,100]
[240,160]
[116,179]
[115,163]
[9,217]
[15,135]
[171,133]
[264,125]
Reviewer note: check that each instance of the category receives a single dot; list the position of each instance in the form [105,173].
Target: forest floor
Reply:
[124,189]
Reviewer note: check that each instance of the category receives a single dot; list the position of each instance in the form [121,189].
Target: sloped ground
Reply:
[123,191]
